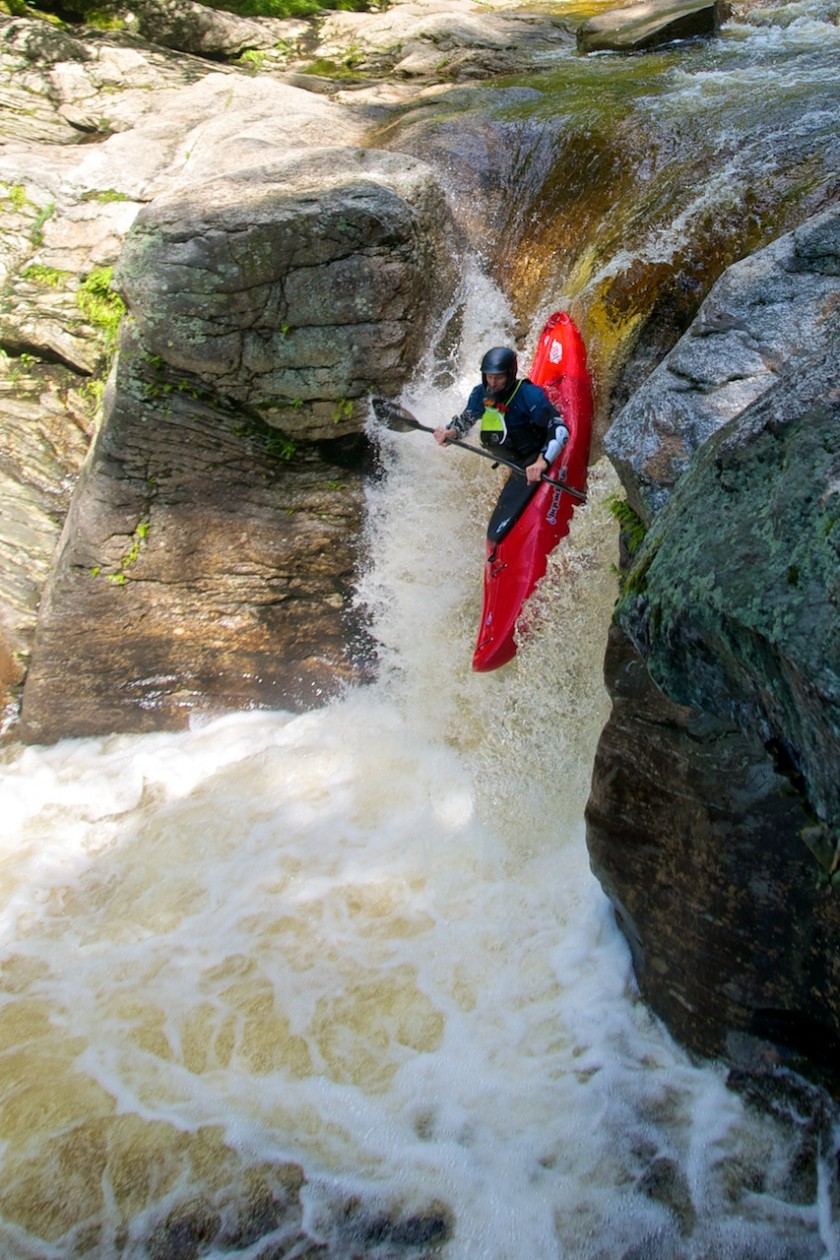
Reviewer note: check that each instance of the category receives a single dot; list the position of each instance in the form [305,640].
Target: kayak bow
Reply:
[530,520]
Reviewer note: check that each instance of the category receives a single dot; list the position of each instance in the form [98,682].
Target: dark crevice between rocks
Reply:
[43,354]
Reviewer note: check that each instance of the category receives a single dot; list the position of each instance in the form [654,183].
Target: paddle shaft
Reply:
[497,459]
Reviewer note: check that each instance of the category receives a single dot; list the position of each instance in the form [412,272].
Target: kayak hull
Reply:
[516,561]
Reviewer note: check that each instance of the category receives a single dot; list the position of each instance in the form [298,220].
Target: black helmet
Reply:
[497,361]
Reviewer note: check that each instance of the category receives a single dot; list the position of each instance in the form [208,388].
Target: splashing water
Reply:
[345,978]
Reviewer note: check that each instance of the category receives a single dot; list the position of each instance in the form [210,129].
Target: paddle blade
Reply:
[393,416]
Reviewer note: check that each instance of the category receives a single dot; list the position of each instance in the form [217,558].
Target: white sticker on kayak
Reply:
[555,354]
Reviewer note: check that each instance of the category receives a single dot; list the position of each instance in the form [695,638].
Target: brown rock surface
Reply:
[198,571]
[730,927]
[641,26]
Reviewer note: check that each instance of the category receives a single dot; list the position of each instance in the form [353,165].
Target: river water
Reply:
[365,941]
[341,984]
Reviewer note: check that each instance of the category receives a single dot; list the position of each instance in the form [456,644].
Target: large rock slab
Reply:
[441,40]
[295,288]
[208,556]
[764,314]
[714,819]
[697,839]
[641,26]
[201,30]
[59,89]
[734,597]
[199,570]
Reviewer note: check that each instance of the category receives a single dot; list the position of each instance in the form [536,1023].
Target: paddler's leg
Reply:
[510,505]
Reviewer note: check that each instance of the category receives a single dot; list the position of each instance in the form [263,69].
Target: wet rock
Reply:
[294,288]
[185,1233]
[204,566]
[714,818]
[389,1235]
[734,602]
[642,26]
[270,1205]
[696,839]
[298,1248]
[808,1115]
[439,41]
[198,29]
[763,315]
[664,1181]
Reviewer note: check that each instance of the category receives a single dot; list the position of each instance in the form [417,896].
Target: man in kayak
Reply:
[517,417]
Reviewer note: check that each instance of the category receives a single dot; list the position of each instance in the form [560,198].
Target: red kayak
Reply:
[529,520]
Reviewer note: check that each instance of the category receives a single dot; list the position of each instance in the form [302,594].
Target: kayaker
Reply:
[517,417]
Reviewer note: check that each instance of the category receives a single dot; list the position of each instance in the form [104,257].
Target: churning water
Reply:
[355,959]
[342,984]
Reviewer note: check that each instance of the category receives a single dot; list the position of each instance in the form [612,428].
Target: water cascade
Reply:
[341,984]
[629,184]
[355,958]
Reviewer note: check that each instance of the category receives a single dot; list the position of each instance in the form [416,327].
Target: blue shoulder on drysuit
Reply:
[532,426]
[531,422]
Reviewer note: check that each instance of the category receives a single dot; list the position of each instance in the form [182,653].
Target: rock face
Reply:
[198,570]
[641,26]
[764,314]
[201,30]
[297,287]
[273,278]
[276,270]
[714,819]
[442,39]
[208,558]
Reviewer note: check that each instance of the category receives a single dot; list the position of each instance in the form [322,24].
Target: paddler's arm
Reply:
[458,428]
[557,438]
[535,471]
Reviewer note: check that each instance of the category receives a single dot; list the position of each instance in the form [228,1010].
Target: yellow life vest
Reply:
[493,426]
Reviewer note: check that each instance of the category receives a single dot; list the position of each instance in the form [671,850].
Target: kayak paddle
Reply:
[395,417]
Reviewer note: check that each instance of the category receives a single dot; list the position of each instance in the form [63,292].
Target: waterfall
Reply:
[341,984]
[345,978]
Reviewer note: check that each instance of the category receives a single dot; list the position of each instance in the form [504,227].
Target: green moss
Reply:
[632,526]
[281,446]
[160,380]
[100,305]
[273,441]
[104,195]
[253,58]
[16,368]
[119,576]
[19,202]
[635,582]
[105,19]
[92,391]
[291,8]
[37,233]
[324,68]
[17,196]
[343,410]
[49,277]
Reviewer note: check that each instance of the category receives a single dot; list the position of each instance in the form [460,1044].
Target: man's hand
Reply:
[535,471]
[442,436]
